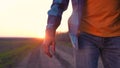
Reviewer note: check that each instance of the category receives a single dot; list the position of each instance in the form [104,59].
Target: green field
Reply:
[12,50]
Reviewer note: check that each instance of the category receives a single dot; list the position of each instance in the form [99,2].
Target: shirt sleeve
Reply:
[57,7]
[55,13]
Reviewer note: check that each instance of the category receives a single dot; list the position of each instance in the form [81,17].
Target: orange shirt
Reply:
[101,18]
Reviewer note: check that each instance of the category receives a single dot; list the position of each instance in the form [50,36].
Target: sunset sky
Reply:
[27,18]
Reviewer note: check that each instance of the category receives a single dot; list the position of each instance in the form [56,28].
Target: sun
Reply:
[39,34]
[42,36]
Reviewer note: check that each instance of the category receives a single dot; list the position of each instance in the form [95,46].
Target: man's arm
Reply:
[54,19]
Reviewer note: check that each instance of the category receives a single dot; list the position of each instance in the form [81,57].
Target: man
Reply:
[94,29]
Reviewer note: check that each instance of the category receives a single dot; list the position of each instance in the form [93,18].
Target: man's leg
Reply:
[110,53]
[88,53]
[86,58]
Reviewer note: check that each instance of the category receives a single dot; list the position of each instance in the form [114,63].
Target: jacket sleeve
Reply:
[55,14]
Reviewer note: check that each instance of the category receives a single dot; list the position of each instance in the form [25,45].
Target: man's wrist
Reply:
[52,24]
[50,33]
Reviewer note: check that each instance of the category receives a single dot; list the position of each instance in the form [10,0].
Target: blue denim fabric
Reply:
[57,7]
[92,47]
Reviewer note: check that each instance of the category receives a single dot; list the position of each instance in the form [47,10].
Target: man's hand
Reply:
[49,46]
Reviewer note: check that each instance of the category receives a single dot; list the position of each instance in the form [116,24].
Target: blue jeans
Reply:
[92,47]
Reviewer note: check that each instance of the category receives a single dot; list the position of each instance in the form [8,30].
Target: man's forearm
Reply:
[52,24]
[54,16]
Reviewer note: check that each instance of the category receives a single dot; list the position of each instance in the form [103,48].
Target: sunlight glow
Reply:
[27,18]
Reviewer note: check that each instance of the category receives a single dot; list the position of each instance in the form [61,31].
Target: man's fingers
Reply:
[48,54]
[53,47]
[49,48]
[46,49]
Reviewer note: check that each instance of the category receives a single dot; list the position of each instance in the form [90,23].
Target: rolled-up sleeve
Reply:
[57,7]
[55,14]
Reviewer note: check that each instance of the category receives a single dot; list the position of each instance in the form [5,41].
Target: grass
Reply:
[20,48]
[63,39]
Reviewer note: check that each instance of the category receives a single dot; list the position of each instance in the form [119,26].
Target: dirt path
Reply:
[32,60]
[37,59]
